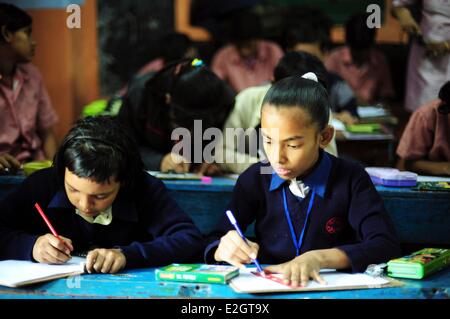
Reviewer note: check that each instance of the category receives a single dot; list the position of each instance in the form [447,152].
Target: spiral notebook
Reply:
[18,273]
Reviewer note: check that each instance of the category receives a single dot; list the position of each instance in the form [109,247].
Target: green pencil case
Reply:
[419,264]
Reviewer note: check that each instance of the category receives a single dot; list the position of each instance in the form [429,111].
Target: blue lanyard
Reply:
[297,244]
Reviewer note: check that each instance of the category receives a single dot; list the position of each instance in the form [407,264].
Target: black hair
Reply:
[196,93]
[99,148]
[13,18]
[444,96]
[357,34]
[299,63]
[309,95]
[305,24]
[200,94]
[174,46]
[359,37]
[245,26]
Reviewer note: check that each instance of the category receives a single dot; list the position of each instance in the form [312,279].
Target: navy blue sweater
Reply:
[147,225]
[347,213]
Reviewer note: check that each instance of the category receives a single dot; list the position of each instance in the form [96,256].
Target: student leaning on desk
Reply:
[311,209]
[100,200]
[425,144]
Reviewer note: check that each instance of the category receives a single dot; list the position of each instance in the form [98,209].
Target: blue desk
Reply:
[420,217]
[140,283]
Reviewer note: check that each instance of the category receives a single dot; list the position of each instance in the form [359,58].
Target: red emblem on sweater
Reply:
[334,225]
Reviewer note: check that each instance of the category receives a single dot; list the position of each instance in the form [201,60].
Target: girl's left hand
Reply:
[300,269]
[105,261]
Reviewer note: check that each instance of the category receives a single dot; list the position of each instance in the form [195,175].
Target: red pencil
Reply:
[44,217]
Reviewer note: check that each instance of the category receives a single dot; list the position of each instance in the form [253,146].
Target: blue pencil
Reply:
[236,226]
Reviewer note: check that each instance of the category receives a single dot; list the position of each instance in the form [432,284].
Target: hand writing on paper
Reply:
[52,250]
[300,269]
[233,250]
[105,261]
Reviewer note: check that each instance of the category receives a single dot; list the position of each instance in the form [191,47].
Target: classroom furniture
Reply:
[140,283]
[420,217]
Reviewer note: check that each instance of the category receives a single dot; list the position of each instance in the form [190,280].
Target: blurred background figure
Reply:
[178,94]
[26,113]
[429,58]
[173,46]
[360,64]
[248,60]
[425,143]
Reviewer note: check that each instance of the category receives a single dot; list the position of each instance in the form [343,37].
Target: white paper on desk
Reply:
[247,282]
[16,273]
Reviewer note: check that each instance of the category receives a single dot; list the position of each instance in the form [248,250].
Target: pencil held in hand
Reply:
[236,226]
[49,225]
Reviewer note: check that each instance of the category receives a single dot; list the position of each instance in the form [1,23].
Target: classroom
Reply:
[290,149]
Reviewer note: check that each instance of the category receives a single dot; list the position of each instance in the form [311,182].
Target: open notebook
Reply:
[247,282]
[17,273]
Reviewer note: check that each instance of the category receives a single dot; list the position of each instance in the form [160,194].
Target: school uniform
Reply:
[26,112]
[147,224]
[346,212]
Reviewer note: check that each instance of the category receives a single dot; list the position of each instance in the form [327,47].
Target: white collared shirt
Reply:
[104,218]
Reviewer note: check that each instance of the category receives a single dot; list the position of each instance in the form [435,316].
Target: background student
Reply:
[27,116]
[174,97]
[311,210]
[360,64]
[429,56]
[425,144]
[248,60]
[99,199]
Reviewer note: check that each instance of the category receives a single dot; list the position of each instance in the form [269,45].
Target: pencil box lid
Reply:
[391,176]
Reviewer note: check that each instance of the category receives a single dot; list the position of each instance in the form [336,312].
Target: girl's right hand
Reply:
[233,250]
[52,250]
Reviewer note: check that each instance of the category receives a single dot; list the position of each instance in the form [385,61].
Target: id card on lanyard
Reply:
[297,243]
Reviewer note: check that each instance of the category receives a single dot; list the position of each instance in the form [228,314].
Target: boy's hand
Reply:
[52,250]
[105,261]
[233,250]
[174,162]
[300,269]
